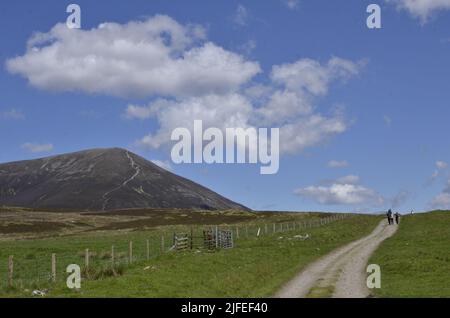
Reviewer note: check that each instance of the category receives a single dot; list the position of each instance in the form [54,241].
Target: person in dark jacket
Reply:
[389,217]
[397,217]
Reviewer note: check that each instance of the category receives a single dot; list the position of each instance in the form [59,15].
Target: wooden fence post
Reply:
[162,244]
[54,267]
[148,250]
[130,252]
[112,256]
[10,270]
[217,237]
[265,229]
[192,238]
[237,232]
[86,258]
[274,228]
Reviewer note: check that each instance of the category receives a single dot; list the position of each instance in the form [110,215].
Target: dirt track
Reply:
[341,272]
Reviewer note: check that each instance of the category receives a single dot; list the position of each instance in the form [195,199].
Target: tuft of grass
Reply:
[321,292]
[415,262]
[102,272]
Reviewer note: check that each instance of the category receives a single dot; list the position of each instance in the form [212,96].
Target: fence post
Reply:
[265,229]
[217,236]
[54,267]
[112,256]
[10,270]
[86,258]
[274,228]
[148,250]
[237,232]
[192,238]
[162,244]
[259,231]
[130,252]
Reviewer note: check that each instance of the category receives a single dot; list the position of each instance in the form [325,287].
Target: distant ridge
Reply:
[101,180]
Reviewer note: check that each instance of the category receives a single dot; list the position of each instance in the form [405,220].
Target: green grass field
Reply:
[256,267]
[415,262]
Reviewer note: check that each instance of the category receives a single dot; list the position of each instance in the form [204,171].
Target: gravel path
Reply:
[342,271]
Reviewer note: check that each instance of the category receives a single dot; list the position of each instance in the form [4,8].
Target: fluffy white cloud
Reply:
[344,191]
[221,111]
[337,164]
[13,114]
[309,131]
[421,9]
[37,148]
[158,56]
[287,103]
[310,76]
[188,79]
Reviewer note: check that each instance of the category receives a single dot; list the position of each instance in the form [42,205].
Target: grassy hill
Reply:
[416,261]
[256,267]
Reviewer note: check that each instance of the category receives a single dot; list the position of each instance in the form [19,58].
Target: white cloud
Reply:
[163,164]
[188,79]
[158,56]
[337,164]
[422,9]
[12,114]
[37,148]
[138,112]
[240,17]
[309,131]
[248,47]
[292,4]
[350,179]
[221,111]
[344,191]
[441,165]
[309,76]
[442,200]
[279,104]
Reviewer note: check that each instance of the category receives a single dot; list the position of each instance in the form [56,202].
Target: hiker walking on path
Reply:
[397,217]
[389,217]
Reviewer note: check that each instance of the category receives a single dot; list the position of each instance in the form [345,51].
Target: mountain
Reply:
[100,180]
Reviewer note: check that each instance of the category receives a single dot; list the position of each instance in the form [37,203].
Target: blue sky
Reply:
[380,97]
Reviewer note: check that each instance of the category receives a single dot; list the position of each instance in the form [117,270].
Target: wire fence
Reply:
[40,269]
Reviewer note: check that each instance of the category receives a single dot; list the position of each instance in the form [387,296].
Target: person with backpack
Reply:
[389,217]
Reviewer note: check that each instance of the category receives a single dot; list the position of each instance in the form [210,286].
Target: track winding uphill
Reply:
[343,271]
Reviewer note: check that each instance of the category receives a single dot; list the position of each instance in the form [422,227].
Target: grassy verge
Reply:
[256,267]
[415,262]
